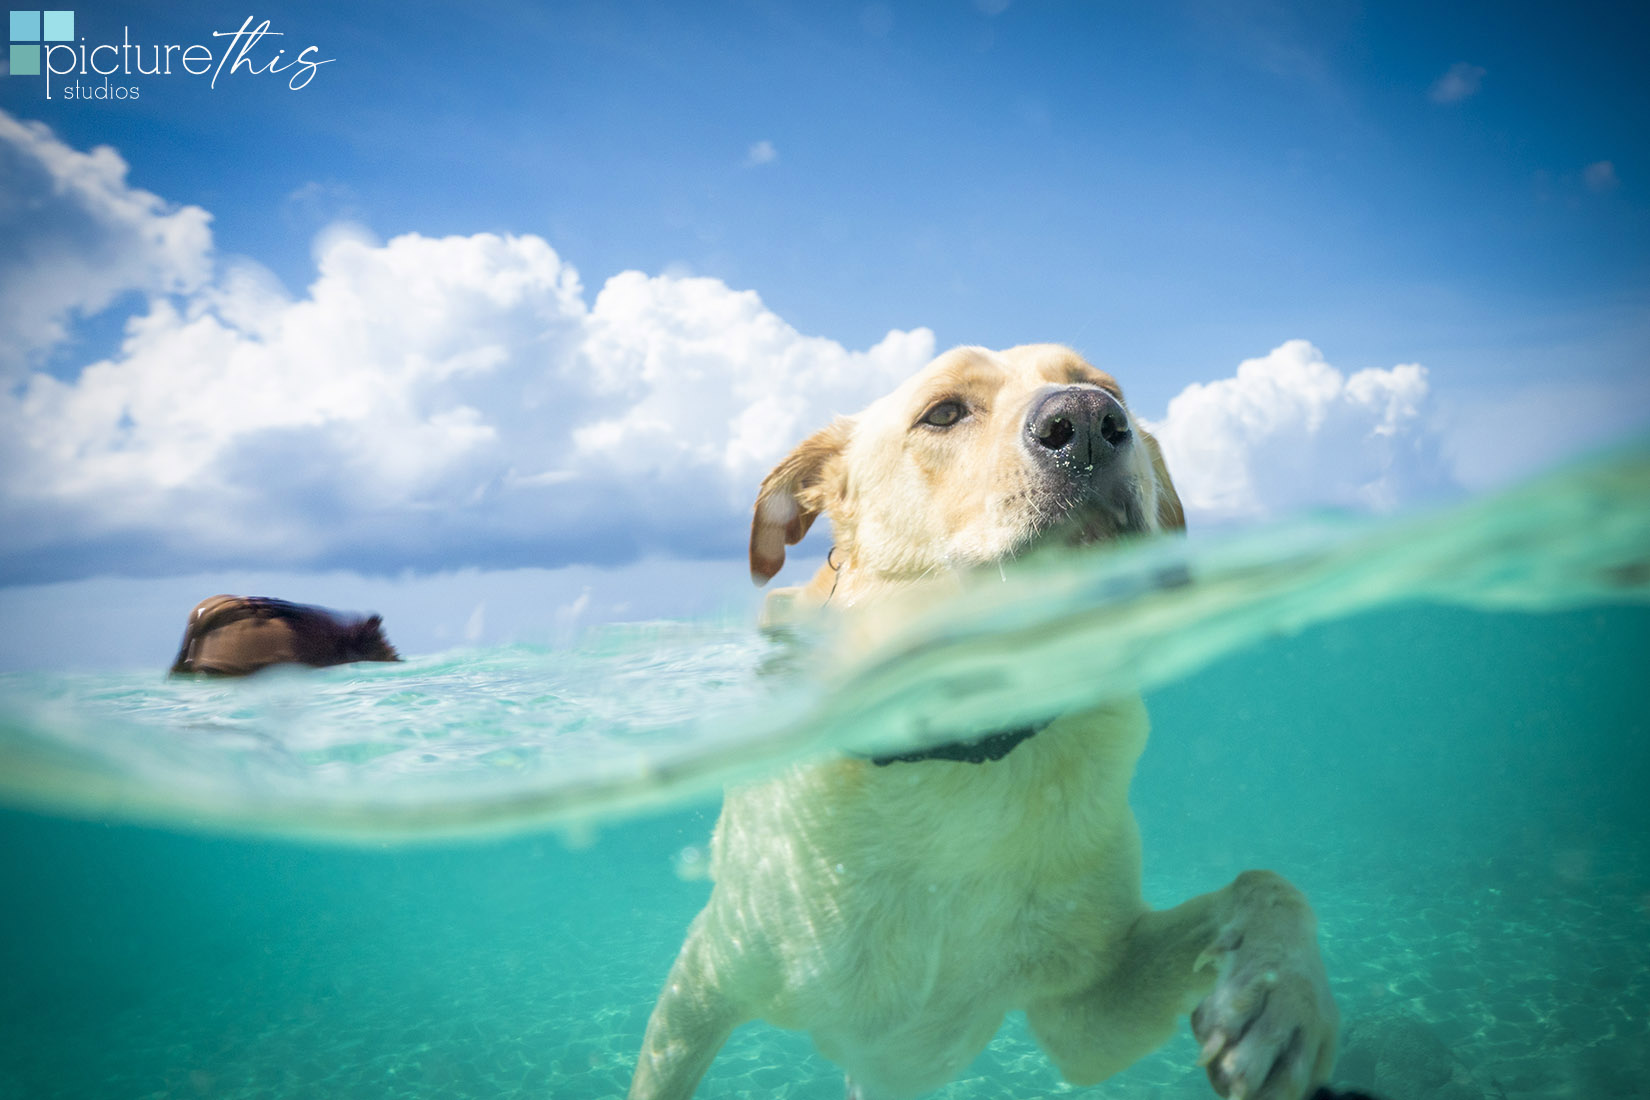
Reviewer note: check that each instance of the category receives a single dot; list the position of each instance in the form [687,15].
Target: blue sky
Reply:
[1175,189]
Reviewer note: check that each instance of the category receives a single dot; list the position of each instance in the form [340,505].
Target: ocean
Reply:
[466,875]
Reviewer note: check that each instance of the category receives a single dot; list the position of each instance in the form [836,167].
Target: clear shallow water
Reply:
[1437,727]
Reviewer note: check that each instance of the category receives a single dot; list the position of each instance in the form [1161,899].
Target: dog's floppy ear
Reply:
[1170,515]
[789,500]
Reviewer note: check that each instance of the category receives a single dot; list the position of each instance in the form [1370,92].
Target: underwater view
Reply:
[467,874]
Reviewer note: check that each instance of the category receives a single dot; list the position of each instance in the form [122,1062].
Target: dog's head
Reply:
[982,456]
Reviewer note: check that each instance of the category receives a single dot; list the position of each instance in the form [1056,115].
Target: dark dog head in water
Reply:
[236,635]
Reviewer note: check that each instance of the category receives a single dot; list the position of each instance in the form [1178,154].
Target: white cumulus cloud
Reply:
[76,236]
[425,400]
[1290,431]
[693,373]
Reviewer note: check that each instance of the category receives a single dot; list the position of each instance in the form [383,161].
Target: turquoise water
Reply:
[466,876]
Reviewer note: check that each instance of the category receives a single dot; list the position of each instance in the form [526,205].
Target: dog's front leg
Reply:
[1247,958]
[690,1022]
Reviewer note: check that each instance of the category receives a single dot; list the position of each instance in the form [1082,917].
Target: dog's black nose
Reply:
[1079,426]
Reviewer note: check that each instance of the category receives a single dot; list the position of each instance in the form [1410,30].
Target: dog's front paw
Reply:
[1267,1030]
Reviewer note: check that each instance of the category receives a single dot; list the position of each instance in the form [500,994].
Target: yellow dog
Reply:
[896,908]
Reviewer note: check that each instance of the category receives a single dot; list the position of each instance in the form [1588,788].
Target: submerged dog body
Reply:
[897,910]
[238,635]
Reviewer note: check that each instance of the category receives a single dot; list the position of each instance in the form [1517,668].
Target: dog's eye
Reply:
[945,414]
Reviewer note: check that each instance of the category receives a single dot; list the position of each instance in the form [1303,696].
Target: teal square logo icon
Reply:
[28,30]
[25,27]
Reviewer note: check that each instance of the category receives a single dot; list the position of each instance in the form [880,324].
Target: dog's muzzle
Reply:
[1078,441]
[1076,429]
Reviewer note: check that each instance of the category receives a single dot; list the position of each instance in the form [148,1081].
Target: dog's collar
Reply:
[979,750]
